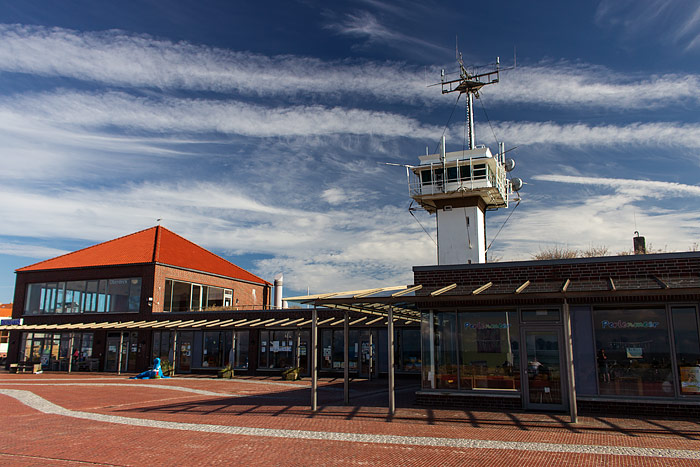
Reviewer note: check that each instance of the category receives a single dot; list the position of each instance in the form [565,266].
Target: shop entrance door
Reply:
[184,342]
[544,352]
[368,354]
[112,357]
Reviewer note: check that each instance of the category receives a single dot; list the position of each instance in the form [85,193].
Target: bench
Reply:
[24,367]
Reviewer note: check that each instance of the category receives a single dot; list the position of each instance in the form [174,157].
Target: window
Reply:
[452,174]
[185,296]
[53,350]
[277,349]
[489,350]
[104,295]
[687,341]
[425,177]
[470,350]
[215,348]
[407,349]
[633,352]
[181,296]
[465,172]
[479,171]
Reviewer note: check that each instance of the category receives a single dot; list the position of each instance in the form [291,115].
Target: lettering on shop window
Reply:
[481,325]
[619,324]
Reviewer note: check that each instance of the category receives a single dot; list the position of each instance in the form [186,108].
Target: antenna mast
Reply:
[470,84]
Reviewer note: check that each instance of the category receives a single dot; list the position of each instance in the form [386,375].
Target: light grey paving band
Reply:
[201,392]
[41,404]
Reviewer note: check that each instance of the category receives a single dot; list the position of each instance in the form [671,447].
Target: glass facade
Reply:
[121,295]
[202,349]
[687,340]
[651,352]
[186,296]
[277,349]
[53,350]
[471,350]
[633,352]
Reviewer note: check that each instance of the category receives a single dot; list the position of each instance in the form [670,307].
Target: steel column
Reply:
[121,350]
[569,350]
[70,352]
[390,360]
[314,359]
[346,356]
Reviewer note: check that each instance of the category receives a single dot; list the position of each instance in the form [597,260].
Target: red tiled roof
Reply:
[156,244]
[5,310]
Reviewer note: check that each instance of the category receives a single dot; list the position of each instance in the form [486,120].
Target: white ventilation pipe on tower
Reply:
[278,291]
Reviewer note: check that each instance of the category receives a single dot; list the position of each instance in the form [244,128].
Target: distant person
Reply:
[603,367]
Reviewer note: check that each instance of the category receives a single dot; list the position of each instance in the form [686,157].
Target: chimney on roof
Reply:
[640,247]
[278,291]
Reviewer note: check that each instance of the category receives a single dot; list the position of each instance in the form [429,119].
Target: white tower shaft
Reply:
[460,232]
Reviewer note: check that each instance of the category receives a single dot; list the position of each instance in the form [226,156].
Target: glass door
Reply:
[184,342]
[368,353]
[545,378]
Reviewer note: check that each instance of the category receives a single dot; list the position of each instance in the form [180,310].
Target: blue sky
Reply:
[258,129]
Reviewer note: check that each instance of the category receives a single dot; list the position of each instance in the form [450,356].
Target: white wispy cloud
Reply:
[660,134]
[566,84]
[676,22]
[118,58]
[99,110]
[635,188]
[367,26]
[359,246]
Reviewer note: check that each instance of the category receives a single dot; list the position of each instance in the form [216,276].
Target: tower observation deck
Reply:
[459,187]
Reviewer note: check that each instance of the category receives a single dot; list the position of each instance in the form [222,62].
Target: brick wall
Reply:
[243,291]
[584,269]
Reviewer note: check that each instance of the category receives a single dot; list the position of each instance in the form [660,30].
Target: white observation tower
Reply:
[459,187]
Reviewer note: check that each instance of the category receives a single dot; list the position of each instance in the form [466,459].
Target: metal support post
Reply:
[569,350]
[371,356]
[232,362]
[70,352]
[121,351]
[172,363]
[390,362]
[346,356]
[314,359]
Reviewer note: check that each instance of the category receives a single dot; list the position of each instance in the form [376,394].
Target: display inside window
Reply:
[54,350]
[471,350]
[489,345]
[687,341]
[633,353]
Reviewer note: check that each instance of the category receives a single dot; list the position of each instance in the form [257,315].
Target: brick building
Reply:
[135,278]
[156,294]
[609,333]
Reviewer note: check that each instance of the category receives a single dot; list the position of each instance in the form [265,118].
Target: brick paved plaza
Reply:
[60,419]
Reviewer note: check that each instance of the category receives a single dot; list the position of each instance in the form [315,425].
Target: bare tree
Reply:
[555,252]
[594,251]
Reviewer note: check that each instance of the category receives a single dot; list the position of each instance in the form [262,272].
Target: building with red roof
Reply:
[136,278]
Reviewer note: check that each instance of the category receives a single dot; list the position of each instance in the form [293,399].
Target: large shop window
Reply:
[471,350]
[278,349]
[122,295]
[687,340]
[185,296]
[633,352]
[53,350]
